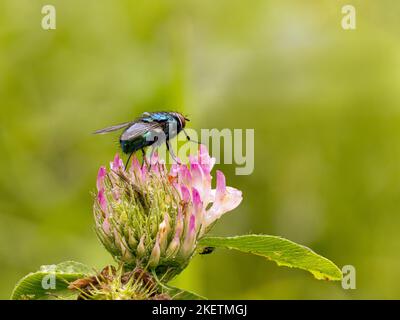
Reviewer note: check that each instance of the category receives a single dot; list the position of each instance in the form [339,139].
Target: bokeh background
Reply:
[324,103]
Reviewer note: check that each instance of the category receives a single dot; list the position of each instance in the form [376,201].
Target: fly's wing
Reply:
[142,129]
[113,128]
[147,117]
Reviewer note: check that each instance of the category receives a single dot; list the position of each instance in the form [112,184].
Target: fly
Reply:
[150,129]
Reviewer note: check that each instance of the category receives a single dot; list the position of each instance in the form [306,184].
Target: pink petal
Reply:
[144,171]
[196,197]
[102,200]
[173,172]
[197,174]
[205,160]
[135,167]
[100,178]
[192,160]
[192,224]
[184,175]
[174,183]
[230,200]
[221,185]
[157,164]
[226,199]
[233,197]
[106,226]
[117,164]
[198,209]
[154,159]
[185,193]
[190,237]
[201,180]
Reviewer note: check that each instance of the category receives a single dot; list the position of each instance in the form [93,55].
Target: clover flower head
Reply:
[152,217]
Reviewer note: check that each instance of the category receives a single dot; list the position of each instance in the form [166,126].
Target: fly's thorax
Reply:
[172,128]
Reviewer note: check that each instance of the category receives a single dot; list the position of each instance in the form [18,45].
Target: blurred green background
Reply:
[324,103]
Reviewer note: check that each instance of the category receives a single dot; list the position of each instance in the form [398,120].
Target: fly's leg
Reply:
[172,152]
[127,161]
[188,137]
[151,156]
[144,158]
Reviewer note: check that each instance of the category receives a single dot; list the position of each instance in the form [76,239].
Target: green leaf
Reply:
[179,294]
[284,252]
[176,293]
[51,282]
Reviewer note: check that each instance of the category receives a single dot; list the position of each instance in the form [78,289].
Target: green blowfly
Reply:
[150,129]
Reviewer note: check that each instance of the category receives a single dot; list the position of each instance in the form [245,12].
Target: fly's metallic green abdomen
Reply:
[135,144]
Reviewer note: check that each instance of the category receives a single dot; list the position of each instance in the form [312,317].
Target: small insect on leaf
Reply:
[206,250]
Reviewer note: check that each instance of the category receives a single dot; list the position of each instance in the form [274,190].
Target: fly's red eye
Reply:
[182,120]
